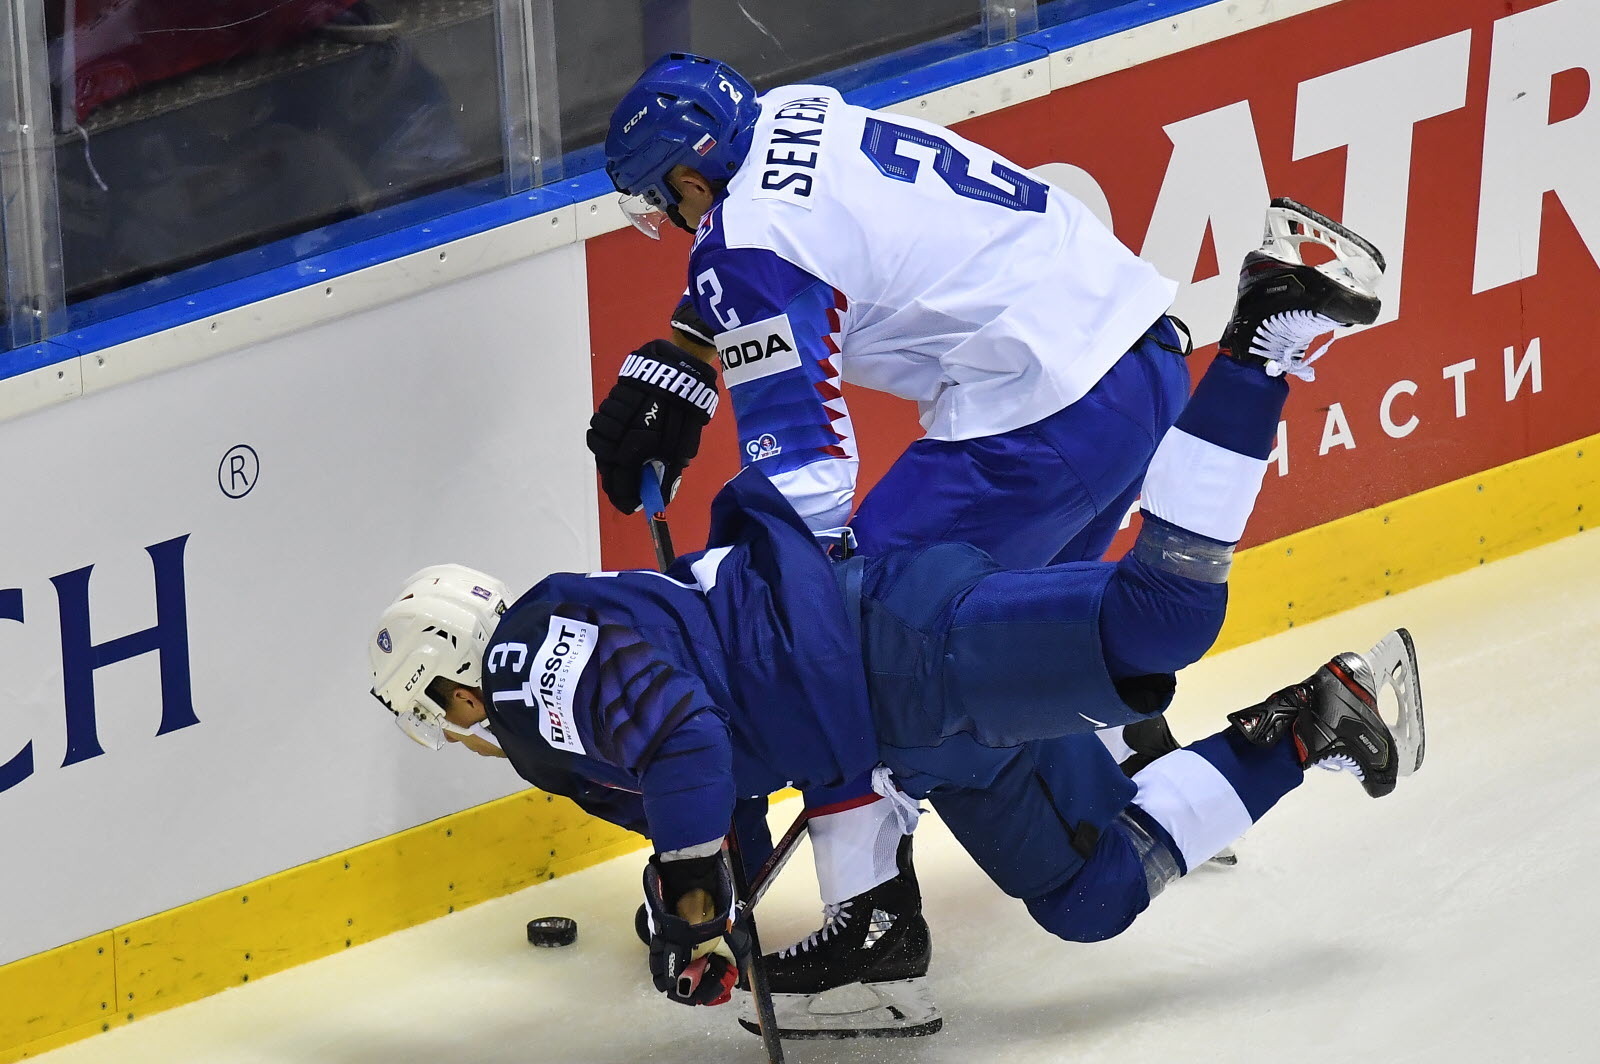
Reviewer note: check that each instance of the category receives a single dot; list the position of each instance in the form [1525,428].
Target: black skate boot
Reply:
[1149,739]
[1284,303]
[863,974]
[1335,721]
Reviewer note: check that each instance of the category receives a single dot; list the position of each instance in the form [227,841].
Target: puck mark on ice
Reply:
[238,471]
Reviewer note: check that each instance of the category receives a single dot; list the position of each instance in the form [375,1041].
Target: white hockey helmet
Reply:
[439,625]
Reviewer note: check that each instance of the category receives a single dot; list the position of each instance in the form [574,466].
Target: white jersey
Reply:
[904,258]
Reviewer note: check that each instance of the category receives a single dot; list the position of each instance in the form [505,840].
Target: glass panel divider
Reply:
[31,282]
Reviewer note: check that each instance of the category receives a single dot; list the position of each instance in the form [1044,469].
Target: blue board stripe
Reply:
[1111,21]
[232,294]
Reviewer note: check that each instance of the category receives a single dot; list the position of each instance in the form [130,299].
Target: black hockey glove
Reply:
[677,972]
[662,399]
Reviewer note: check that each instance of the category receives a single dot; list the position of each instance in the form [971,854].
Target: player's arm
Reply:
[690,332]
[776,328]
[641,714]
[623,808]
[657,724]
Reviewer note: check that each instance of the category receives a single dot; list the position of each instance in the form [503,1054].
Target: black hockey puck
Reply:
[553,931]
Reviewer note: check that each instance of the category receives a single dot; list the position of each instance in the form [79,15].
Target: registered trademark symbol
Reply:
[239,470]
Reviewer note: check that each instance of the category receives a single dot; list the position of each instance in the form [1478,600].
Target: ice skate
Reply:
[862,974]
[1336,720]
[1285,303]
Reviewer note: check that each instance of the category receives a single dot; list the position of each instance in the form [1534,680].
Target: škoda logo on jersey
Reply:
[757,350]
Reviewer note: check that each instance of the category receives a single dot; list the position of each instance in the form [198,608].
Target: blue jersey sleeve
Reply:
[776,333]
[623,808]
[596,700]
[658,723]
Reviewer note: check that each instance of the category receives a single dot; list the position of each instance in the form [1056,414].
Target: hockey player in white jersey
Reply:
[832,243]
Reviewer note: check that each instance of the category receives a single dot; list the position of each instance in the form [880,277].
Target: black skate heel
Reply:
[1284,303]
[1334,717]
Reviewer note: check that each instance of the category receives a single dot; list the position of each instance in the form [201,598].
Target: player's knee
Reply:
[1081,923]
[1105,896]
[1153,621]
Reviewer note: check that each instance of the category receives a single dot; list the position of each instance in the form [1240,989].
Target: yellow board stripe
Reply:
[1412,541]
[295,916]
[318,908]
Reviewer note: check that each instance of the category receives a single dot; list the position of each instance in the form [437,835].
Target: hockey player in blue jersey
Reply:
[832,243]
[656,700]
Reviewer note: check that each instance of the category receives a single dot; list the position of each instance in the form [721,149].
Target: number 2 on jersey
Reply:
[881,141]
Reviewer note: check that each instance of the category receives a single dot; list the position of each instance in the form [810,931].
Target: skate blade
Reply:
[1356,264]
[900,1008]
[1227,858]
[1393,660]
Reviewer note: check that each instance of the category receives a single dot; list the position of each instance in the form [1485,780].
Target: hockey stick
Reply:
[655,514]
[755,967]
[775,861]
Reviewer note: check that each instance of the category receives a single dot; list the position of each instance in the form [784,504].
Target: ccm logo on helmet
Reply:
[757,350]
[630,123]
[415,677]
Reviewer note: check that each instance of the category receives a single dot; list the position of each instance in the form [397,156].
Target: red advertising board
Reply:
[1462,136]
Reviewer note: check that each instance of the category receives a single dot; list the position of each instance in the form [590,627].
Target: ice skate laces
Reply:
[1356,266]
[1341,763]
[834,918]
[1283,338]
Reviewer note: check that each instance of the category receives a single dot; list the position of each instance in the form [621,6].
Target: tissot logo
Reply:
[757,350]
[559,665]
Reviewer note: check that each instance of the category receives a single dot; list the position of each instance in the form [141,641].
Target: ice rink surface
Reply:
[1452,921]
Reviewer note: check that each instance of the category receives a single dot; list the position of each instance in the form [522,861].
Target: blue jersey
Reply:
[734,674]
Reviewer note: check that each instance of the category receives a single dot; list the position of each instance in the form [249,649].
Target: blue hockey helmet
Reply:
[684,110]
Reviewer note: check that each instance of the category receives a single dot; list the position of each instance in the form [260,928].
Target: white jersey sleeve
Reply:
[776,332]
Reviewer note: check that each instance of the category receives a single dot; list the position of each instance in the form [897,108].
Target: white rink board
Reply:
[446,427]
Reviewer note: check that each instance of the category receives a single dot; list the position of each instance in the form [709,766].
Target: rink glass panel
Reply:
[194,142]
[187,130]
